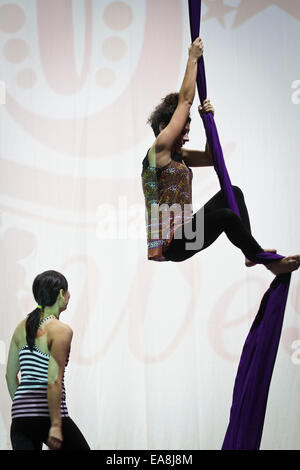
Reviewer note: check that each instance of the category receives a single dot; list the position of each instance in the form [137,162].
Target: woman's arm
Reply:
[60,337]
[12,368]
[172,131]
[199,158]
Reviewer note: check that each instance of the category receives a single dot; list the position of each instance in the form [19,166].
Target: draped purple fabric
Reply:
[257,361]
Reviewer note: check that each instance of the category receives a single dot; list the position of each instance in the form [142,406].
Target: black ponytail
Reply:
[46,287]
[32,324]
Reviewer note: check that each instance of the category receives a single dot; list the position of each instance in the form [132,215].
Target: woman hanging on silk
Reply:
[174,233]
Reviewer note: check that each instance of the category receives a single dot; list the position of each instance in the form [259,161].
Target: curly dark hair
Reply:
[163,113]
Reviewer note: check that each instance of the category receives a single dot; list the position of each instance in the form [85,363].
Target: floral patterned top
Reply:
[168,200]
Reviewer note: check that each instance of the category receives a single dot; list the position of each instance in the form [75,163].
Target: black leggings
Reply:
[30,434]
[217,219]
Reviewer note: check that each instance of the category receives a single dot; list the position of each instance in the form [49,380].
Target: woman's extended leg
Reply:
[217,219]
[218,201]
[215,222]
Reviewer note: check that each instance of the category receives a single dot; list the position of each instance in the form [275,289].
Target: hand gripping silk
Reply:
[256,365]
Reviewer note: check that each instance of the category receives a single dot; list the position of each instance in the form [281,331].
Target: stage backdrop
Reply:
[156,345]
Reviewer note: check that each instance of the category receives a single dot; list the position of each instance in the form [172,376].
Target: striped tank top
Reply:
[30,398]
[168,188]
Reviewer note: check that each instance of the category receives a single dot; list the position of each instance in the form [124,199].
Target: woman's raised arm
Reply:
[170,133]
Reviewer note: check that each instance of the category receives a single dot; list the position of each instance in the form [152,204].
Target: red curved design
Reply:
[56,41]
[156,74]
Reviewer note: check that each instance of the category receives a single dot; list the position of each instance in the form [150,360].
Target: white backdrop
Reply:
[156,345]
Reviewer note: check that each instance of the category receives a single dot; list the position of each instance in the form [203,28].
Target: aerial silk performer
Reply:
[259,353]
[175,234]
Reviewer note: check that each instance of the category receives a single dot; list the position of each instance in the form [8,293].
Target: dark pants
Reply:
[217,219]
[30,434]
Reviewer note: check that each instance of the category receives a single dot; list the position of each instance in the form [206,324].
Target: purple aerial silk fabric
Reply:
[256,365]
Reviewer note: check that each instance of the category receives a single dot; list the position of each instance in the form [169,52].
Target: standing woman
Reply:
[167,181]
[40,349]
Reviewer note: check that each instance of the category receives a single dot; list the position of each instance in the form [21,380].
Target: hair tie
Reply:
[39,306]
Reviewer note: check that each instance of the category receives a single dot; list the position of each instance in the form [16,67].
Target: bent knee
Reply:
[229,215]
[237,191]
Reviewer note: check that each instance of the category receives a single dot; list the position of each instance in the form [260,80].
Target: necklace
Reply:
[47,318]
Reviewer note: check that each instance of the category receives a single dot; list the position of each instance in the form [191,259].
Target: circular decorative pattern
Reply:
[118,16]
[114,48]
[105,77]
[15,50]
[26,78]
[12,18]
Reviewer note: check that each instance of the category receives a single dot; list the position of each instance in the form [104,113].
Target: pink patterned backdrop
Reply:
[155,346]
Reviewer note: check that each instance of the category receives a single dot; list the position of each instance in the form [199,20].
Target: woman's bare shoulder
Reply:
[19,333]
[57,326]
[20,328]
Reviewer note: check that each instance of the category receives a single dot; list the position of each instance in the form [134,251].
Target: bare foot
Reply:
[284,265]
[249,263]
